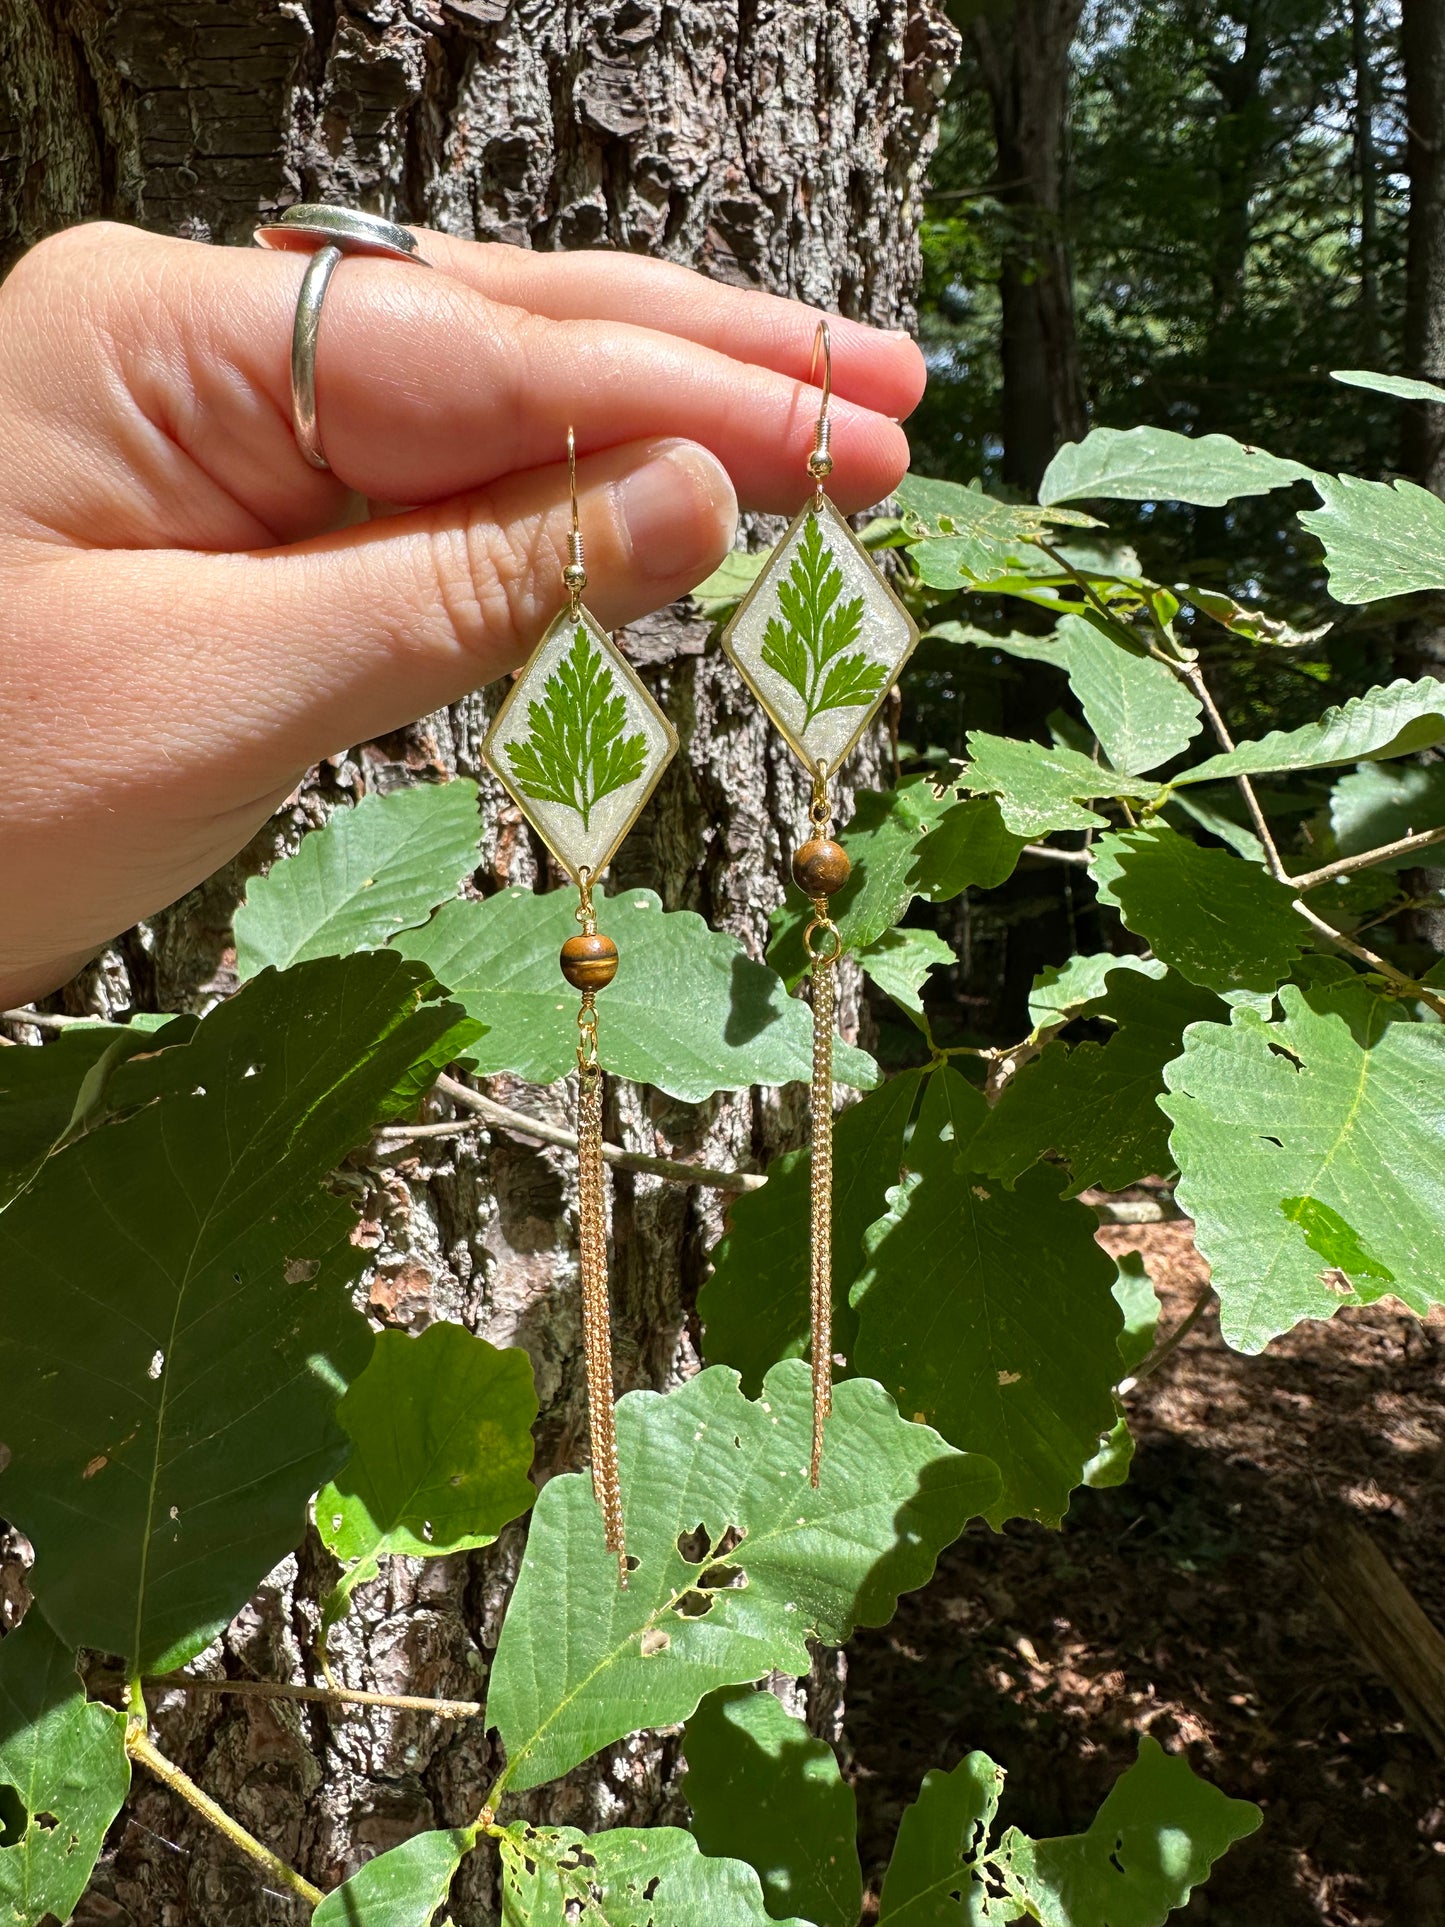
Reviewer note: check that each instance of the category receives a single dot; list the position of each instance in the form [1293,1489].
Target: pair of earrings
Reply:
[580,745]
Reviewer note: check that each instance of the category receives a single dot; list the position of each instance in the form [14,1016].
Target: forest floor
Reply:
[1179,1604]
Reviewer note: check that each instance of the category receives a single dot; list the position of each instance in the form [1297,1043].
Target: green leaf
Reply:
[754,1308]
[810,645]
[371,871]
[967,848]
[688,1012]
[441,1444]
[403,1887]
[1380,538]
[576,752]
[1135,1295]
[929,1882]
[1218,920]
[763,1790]
[1396,720]
[883,840]
[1097,1104]
[64,1776]
[901,961]
[168,1425]
[988,1312]
[722,591]
[960,532]
[1379,803]
[1401,386]
[1040,790]
[1152,1842]
[1157,465]
[1312,1153]
[629,1877]
[1253,624]
[1062,992]
[1142,714]
[581,1663]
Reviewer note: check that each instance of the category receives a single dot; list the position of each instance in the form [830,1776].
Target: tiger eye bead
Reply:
[589,963]
[821,867]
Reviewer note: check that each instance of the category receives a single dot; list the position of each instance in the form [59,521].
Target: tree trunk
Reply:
[768,143]
[1023,56]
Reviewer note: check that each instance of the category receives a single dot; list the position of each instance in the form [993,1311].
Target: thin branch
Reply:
[487,1110]
[1085,857]
[1168,1346]
[43,1019]
[138,1745]
[1139,1211]
[1193,675]
[1372,960]
[1348,865]
[325,1695]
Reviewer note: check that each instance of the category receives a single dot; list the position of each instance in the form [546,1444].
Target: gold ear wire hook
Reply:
[820,462]
[575,574]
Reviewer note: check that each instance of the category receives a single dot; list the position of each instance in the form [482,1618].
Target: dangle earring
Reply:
[819,639]
[579,746]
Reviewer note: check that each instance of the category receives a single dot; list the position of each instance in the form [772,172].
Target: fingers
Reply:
[876,369]
[224,676]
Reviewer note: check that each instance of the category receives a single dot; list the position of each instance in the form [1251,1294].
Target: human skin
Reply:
[191,615]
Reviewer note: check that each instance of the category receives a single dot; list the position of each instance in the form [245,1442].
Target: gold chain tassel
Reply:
[824,967]
[596,1312]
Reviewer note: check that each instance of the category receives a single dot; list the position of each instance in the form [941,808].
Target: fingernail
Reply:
[679,511]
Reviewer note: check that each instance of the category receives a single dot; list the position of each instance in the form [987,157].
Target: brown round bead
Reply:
[821,867]
[589,963]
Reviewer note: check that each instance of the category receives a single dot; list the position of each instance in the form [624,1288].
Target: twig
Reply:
[1194,676]
[326,1695]
[1058,856]
[1139,1211]
[1168,1346]
[1372,960]
[43,1019]
[138,1745]
[1348,865]
[487,1110]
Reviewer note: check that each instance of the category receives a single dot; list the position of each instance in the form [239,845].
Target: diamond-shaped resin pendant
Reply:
[579,744]
[820,637]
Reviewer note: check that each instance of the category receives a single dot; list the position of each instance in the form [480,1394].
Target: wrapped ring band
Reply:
[332,232]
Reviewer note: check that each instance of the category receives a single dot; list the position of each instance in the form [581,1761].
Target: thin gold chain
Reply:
[596,1312]
[824,960]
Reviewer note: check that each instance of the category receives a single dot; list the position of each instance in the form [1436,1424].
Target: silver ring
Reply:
[334,231]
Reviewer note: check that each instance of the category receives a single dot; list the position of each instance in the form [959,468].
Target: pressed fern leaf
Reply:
[576,752]
[808,646]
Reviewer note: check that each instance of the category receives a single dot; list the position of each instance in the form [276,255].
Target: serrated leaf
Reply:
[372,870]
[1040,790]
[1097,1104]
[812,645]
[688,1011]
[1402,386]
[967,848]
[1218,920]
[1150,1845]
[929,1882]
[1380,538]
[581,1663]
[168,1425]
[764,1791]
[988,1312]
[1312,1156]
[1157,465]
[441,1444]
[629,1877]
[754,1308]
[1379,803]
[64,1776]
[1062,992]
[403,1887]
[900,962]
[883,839]
[1395,720]
[961,534]
[578,749]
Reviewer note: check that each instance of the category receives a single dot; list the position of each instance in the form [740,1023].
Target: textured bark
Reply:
[1023,55]
[766,142]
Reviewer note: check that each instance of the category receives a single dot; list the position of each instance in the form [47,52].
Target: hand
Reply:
[193,615]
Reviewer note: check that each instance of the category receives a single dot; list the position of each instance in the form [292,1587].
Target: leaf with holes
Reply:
[175,1306]
[1217,919]
[1158,465]
[1098,1104]
[754,1308]
[1394,720]
[931,1879]
[988,1312]
[1312,1155]
[63,1777]
[763,1790]
[372,870]
[630,1877]
[403,1887]
[687,1012]
[441,1444]
[739,1560]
